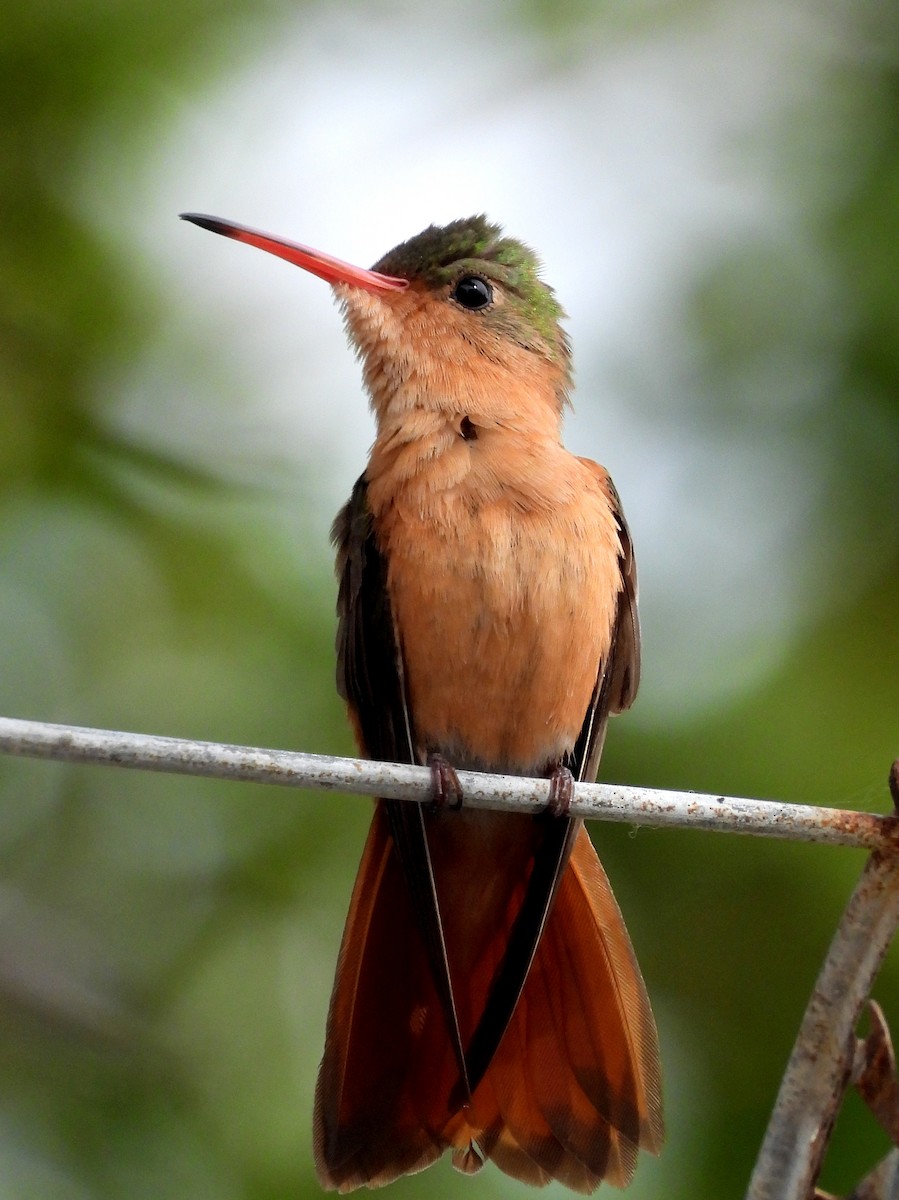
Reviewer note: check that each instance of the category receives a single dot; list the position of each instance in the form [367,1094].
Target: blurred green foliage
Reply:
[166,945]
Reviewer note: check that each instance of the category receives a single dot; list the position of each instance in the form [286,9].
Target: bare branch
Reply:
[610,802]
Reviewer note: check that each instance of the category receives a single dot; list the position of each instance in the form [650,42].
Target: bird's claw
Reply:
[445,787]
[561,791]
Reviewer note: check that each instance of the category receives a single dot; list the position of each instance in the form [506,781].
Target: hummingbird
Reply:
[487,999]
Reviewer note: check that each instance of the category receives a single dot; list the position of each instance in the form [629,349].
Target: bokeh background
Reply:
[714,189]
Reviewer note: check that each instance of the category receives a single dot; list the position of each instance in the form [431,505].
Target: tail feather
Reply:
[577,1074]
[609,975]
[388,1066]
[573,1090]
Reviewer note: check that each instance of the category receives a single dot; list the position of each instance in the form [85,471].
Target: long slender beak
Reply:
[334,270]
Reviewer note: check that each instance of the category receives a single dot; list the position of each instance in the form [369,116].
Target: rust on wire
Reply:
[871,829]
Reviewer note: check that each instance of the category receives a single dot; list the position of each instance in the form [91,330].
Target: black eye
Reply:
[472,292]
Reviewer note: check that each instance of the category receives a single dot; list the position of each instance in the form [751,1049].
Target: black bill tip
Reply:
[213,223]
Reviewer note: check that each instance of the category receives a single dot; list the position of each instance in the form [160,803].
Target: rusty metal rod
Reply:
[815,1080]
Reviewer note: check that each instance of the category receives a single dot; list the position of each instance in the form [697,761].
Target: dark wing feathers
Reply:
[370,679]
[619,676]
[369,668]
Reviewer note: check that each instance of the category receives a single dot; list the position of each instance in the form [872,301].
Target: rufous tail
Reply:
[573,1091]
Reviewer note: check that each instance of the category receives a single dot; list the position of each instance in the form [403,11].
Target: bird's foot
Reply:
[445,786]
[561,791]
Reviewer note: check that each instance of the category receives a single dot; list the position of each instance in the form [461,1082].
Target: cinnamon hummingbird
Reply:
[487,1000]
